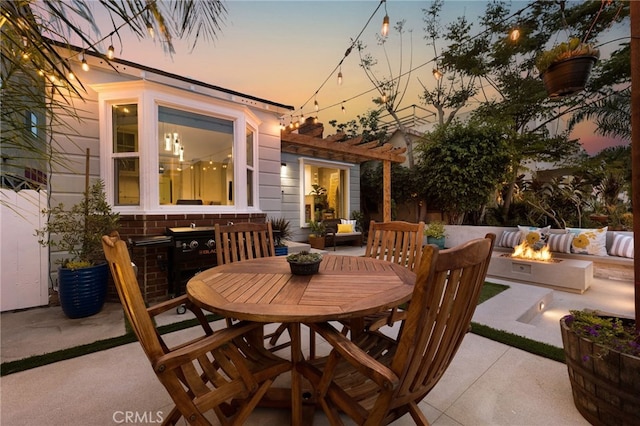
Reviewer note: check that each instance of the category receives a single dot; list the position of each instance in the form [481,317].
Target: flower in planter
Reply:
[609,332]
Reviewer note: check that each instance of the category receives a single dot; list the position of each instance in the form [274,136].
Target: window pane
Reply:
[125,128]
[249,147]
[195,158]
[325,192]
[127,181]
[250,188]
[126,164]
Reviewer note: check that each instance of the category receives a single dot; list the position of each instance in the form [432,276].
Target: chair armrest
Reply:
[379,373]
[192,351]
[168,304]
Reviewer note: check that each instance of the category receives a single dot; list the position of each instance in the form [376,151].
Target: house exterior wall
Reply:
[67,180]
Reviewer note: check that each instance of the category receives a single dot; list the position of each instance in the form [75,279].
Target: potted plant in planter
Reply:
[304,263]
[565,69]
[281,233]
[435,234]
[318,232]
[82,278]
[602,354]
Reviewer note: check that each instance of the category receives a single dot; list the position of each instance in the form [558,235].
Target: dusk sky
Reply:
[286,51]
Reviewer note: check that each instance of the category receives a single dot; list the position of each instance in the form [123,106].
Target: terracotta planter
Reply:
[317,242]
[568,77]
[606,388]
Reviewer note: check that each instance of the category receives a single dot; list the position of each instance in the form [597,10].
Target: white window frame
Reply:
[149,96]
[346,167]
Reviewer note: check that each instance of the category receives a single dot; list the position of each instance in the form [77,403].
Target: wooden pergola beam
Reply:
[335,147]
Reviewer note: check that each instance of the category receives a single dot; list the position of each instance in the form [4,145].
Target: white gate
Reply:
[24,264]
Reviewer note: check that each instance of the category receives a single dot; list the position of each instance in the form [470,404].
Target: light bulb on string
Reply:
[150,30]
[71,76]
[85,65]
[340,77]
[344,111]
[437,73]
[315,105]
[110,52]
[514,35]
[315,120]
[385,26]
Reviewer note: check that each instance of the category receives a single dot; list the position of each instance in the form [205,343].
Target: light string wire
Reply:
[434,59]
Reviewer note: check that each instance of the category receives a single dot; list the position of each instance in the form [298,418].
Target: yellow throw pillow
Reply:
[344,228]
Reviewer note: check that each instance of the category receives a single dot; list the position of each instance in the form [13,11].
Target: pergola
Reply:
[338,148]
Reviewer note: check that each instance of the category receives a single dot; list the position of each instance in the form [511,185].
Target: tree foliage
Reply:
[461,165]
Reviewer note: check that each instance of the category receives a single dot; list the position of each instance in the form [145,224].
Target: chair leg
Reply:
[276,334]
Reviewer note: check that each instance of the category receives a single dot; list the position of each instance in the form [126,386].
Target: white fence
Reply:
[24,264]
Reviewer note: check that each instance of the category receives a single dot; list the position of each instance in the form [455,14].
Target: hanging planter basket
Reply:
[606,389]
[568,76]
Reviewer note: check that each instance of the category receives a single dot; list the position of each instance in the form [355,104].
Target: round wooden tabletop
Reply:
[264,290]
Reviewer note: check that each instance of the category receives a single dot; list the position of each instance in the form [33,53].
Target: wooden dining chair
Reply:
[247,240]
[243,241]
[222,371]
[397,242]
[376,379]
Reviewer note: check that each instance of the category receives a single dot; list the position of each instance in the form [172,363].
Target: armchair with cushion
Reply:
[342,230]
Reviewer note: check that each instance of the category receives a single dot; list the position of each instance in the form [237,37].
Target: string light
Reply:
[315,105]
[150,30]
[344,111]
[437,73]
[110,52]
[71,75]
[385,21]
[85,65]
[514,35]
[385,26]
[340,77]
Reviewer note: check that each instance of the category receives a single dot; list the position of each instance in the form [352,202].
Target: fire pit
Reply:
[538,267]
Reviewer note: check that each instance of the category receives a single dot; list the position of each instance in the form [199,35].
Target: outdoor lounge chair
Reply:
[376,379]
[222,371]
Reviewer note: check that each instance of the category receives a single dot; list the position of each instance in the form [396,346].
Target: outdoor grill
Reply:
[193,250]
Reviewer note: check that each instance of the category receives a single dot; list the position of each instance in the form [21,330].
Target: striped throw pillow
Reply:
[510,239]
[560,243]
[622,246]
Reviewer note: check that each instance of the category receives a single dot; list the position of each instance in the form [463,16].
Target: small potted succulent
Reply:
[435,233]
[304,263]
[281,233]
[566,67]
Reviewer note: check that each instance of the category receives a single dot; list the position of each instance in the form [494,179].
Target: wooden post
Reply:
[386,191]
[635,146]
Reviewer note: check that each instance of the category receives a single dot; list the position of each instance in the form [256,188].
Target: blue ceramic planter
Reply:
[83,291]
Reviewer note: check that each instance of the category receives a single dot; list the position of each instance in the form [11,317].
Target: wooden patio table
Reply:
[264,290]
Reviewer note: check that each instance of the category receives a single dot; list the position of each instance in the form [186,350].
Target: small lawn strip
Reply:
[10,367]
[520,342]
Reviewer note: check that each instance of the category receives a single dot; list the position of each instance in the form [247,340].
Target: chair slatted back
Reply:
[124,277]
[243,241]
[397,241]
[444,299]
